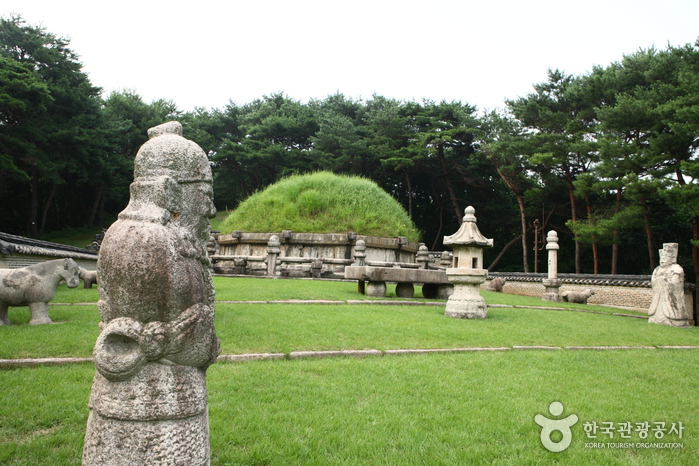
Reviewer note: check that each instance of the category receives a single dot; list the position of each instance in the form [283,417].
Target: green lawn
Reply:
[451,409]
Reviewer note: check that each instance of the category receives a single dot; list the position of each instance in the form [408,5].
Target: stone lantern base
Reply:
[551,293]
[466,302]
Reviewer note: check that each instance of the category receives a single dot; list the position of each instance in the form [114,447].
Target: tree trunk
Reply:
[695,250]
[47,206]
[574,217]
[649,235]
[441,217]
[615,241]
[410,194]
[450,188]
[32,227]
[95,206]
[522,216]
[103,201]
[595,253]
[695,259]
[502,253]
[3,178]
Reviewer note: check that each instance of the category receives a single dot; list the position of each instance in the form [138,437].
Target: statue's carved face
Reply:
[667,258]
[197,208]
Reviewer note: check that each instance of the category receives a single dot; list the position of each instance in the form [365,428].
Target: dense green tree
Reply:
[389,135]
[504,144]
[593,157]
[125,120]
[277,138]
[446,134]
[23,96]
[219,134]
[646,140]
[559,136]
[341,136]
[63,133]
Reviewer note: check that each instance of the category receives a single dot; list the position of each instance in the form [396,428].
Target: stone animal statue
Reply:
[89,277]
[35,286]
[495,284]
[579,297]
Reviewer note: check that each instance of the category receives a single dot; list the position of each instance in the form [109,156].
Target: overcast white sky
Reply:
[204,53]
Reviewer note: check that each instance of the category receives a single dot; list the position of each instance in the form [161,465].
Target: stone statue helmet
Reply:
[180,170]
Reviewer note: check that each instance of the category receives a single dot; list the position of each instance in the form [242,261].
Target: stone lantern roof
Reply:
[468,233]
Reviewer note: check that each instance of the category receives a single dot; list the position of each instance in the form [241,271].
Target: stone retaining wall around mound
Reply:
[305,254]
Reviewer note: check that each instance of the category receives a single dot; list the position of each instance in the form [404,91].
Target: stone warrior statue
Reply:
[667,306]
[149,401]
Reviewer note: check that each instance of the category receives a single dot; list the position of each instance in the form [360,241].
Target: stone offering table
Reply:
[435,283]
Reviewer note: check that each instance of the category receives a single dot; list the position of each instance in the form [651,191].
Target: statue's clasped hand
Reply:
[125,345]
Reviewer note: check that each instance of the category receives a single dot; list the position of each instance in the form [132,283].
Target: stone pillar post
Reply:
[360,261]
[445,259]
[552,283]
[316,268]
[422,257]
[273,250]
[360,253]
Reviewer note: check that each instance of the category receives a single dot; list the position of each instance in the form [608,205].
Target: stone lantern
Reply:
[467,272]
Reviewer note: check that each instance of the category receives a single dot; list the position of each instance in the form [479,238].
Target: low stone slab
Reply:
[306,301]
[537,347]
[242,302]
[41,362]
[608,347]
[250,357]
[444,350]
[387,302]
[333,354]
[72,304]
[631,315]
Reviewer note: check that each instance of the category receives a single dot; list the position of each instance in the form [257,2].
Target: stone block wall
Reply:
[625,291]
[18,261]
[17,252]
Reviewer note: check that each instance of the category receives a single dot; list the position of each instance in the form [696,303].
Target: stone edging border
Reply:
[392,303]
[424,303]
[29,362]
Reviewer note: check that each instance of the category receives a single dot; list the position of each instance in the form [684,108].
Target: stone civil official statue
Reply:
[149,399]
[667,306]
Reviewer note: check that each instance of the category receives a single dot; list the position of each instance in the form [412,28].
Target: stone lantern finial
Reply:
[468,233]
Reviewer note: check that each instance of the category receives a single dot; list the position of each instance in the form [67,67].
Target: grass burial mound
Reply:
[322,203]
